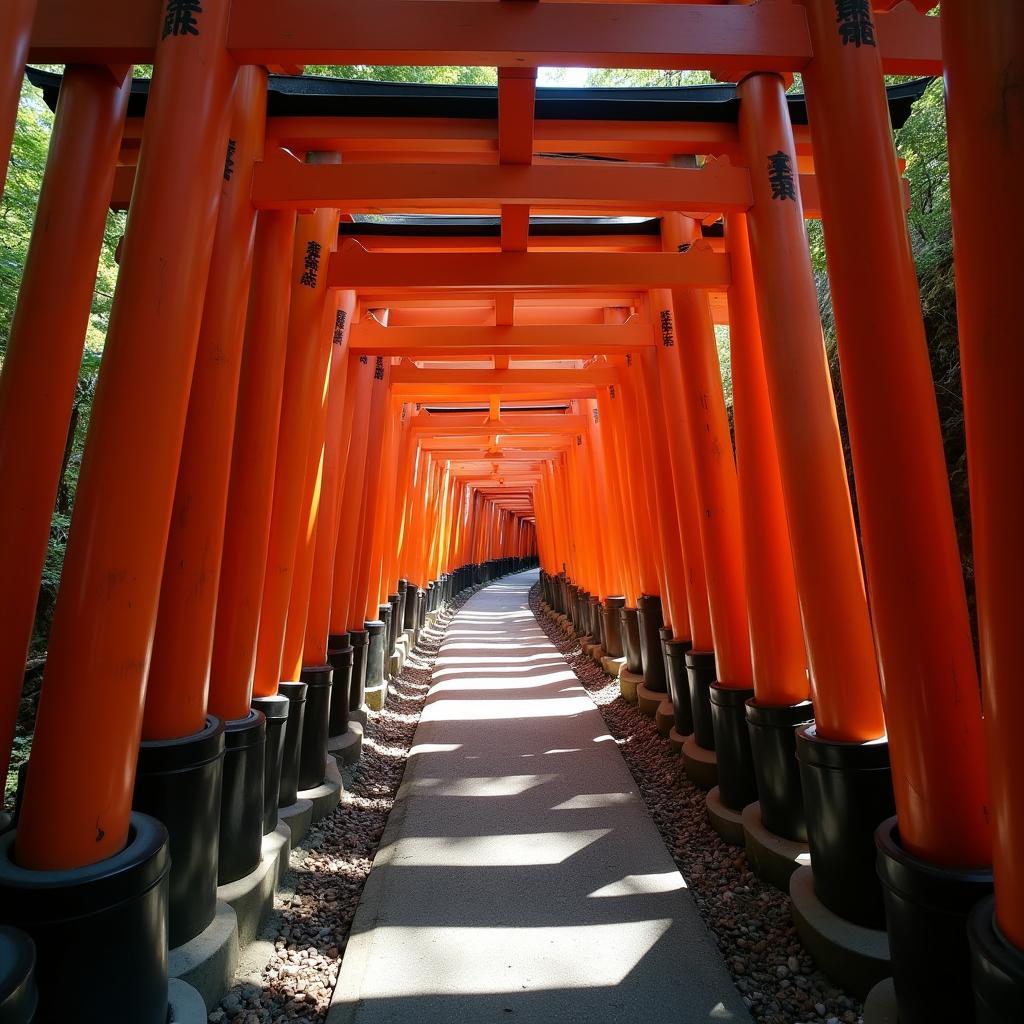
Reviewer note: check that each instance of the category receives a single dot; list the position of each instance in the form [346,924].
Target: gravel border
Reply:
[749,919]
[305,938]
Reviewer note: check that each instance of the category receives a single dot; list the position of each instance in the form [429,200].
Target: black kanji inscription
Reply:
[229,160]
[667,330]
[855,24]
[364,360]
[629,358]
[339,326]
[378,369]
[684,246]
[780,176]
[311,265]
[611,391]
[180,19]
[596,419]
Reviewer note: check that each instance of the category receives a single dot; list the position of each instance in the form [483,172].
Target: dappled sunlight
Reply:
[502,851]
[588,801]
[482,961]
[642,885]
[488,709]
[488,682]
[480,786]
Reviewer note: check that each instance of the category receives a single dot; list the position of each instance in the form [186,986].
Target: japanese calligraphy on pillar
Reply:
[596,417]
[611,392]
[229,159]
[855,24]
[378,369]
[667,334]
[311,265]
[780,176]
[181,18]
[340,319]
[364,360]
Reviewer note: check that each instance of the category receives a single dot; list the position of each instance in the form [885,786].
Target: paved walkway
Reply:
[520,876]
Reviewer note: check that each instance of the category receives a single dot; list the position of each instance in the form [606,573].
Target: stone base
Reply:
[325,797]
[597,654]
[665,718]
[629,684]
[724,820]
[772,858]
[854,957]
[648,700]
[298,817]
[184,1003]
[348,747]
[376,696]
[677,740]
[208,962]
[701,765]
[880,1006]
[252,897]
[613,666]
[410,639]
[395,664]
[359,715]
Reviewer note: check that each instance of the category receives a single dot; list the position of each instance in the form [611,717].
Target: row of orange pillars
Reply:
[757,564]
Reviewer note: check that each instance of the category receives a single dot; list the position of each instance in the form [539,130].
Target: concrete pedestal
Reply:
[208,961]
[185,1004]
[252,897]
[880,1006]
[376,696]
[701,765]
[325,797]
[677,740]
[854,957]
[348,747]
[724,820]
[648,700]
[629,685]
[664,718]
[298,817]
[613,666]
[772,858]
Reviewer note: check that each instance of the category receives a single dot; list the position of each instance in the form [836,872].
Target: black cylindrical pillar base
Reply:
[611,627]
[926,911]
[100,931]
[403,606]
[241,797]
[847,795]
[997,969]
[296,694]
[359,639]
[340,655]
[313,745]
[275,709]
[649,611]
[421,613]
[376,634]
[677,683]
[394,622]
[737,786]
[596,619]
[773,742]
[178,782]
[19,994]
[701,674]
[409,620]
[630,626]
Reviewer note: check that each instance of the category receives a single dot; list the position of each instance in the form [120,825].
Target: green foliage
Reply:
[419,76]
[645,78]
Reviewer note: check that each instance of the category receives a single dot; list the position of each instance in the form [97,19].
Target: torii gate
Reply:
[245,382]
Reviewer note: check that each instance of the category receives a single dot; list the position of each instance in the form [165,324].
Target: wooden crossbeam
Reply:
[459,342]
[734,39]
[571,186]
[353,267]
[511,424]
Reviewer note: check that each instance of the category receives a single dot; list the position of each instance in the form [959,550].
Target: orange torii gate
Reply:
[312,432]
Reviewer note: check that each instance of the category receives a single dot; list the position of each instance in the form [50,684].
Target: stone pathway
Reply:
[520,874]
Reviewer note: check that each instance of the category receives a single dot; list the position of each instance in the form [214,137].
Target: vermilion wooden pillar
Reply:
[15,34]
[915,582]
[314,236]
[342,407]
[254,454]
[176,696]
[982,45]
[826,557]
[776,636]
[330,376]
[44,351]
[103,627]
[704,416]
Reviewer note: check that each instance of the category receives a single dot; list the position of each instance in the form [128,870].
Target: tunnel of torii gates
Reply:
[314,428]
